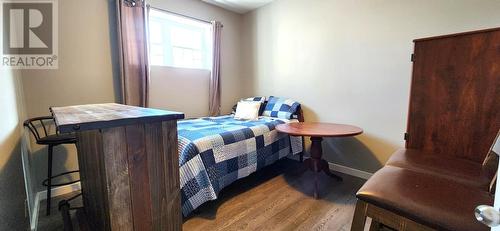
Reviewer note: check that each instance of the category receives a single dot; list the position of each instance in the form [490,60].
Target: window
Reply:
[178,41]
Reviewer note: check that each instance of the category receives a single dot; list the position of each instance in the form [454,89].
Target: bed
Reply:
[216,151]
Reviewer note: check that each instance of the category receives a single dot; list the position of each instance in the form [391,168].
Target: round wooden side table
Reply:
[317,131]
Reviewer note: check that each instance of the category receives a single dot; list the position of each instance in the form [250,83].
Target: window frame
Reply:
[166,26]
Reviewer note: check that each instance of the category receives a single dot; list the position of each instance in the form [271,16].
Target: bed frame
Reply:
[300,117]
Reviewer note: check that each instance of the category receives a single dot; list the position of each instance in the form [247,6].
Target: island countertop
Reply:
[99,116]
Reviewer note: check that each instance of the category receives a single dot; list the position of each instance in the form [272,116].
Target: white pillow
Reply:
[247,110]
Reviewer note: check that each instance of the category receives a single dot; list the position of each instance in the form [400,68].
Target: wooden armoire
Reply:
[455,94]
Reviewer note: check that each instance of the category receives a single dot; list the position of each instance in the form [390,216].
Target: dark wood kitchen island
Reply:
[129,165]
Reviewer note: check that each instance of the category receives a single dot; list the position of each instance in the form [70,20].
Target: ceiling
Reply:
[239,6]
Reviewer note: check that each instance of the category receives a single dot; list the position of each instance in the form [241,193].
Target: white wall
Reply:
[12,191]
[349,62]
[180,89]
[231,86]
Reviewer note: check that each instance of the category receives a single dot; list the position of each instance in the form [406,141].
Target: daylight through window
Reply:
[178,41]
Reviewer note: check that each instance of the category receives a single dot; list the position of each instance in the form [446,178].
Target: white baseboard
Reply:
[34,215]
[350,171]
[54,192]
[342,169]
[61,190]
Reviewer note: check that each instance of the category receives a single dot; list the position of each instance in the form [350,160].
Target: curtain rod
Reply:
[178,14]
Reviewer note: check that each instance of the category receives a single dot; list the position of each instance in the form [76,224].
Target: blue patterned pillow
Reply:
[280,107]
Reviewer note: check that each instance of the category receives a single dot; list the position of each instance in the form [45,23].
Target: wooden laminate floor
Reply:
[278,197]
[54,221]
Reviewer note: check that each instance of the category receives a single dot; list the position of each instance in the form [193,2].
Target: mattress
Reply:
[216,151]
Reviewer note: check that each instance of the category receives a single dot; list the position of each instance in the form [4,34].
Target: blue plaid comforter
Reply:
[216,151]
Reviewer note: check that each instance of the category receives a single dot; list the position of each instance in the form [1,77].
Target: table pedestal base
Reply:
[317,164]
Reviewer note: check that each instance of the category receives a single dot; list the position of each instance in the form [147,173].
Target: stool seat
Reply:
[38,127]
[427,199]
[57,139]
[462,171]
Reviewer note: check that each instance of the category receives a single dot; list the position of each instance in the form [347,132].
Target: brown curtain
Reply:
[132,18]
[214,85]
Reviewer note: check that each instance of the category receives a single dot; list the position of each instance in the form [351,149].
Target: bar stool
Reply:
[35,125]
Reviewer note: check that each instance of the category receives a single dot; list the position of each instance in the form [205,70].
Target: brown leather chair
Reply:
[417,190]
[404,199]
[463,171]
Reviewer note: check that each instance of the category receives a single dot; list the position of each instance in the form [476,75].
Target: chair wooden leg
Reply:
[359,219]
[382,218]
[374,226]
[49,179]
